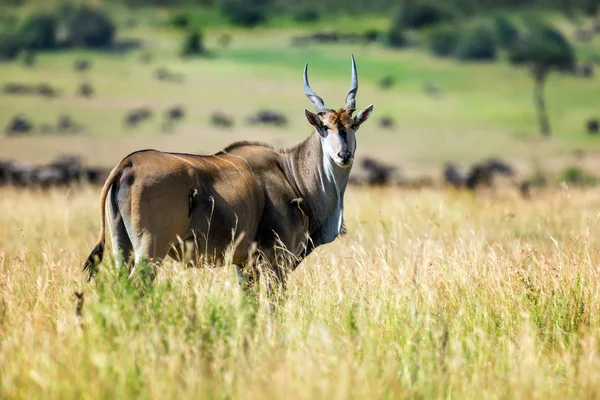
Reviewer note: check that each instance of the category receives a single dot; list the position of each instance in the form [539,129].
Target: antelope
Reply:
[248,202]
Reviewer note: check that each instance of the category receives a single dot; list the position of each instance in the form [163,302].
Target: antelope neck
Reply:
[321,183]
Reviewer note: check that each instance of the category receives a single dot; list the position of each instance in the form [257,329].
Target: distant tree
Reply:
[10,43]
[88,26]
[307,13]
[543,50]
[476,43]
[417,14]
[442,40]
[505,31]
[396,37]
[247,13]
[180,20]
[38,31]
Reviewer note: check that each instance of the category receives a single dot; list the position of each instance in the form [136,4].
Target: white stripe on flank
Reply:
[239,170]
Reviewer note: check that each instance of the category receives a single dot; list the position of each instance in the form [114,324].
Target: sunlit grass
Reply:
[431,294]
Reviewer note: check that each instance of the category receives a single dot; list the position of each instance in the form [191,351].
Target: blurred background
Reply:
[462,88]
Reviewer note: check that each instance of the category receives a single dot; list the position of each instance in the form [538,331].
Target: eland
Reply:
[247,204]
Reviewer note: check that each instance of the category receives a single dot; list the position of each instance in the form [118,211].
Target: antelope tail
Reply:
[97,253]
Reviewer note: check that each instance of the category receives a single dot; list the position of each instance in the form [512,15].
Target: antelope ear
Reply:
[363,115]
[314,120]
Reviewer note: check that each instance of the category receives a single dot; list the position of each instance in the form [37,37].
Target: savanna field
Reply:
[435,292]
[431,294]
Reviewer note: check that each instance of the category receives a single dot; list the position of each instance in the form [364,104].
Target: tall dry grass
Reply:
[431,294]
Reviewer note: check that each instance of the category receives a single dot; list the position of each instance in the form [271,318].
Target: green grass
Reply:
[431,295]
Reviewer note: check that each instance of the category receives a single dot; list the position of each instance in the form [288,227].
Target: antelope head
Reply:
[337,128]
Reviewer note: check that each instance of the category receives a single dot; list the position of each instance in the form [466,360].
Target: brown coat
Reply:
[249,196]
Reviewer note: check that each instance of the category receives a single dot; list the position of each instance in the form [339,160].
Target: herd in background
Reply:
[20,124]
[372,172]
[69,170]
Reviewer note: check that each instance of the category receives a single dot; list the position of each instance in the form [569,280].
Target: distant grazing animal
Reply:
[17,88]
[46,90]
[175,113]
[66,124]
[19,125]
[86,90]
[337,37]
[96,175]
[20,174]
[481,174]
[250,201]
[378,173]
[453,176]
[221,120]
[172,115]
[163,74]
[133,117]
[82,65]
[432,90]
[386,122]
[592,126]
[525,189]
[585,70]
[387,82]
[5,167]
[64,171]
[268,117]
[42,89]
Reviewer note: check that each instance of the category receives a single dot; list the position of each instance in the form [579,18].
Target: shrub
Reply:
[306,14]
[476,44]
[590,7]
[89,27]
[247,13]
[442,41]
[10,44]
[193,45]
[180,21]
[396,37]
[417,14]
[505,31]
[371,35]
[38,31]
[576,176]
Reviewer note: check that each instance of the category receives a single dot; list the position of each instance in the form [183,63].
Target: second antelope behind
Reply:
[255,203]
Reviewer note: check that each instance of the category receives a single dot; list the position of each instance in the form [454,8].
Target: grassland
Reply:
[431,294]
[485,109]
